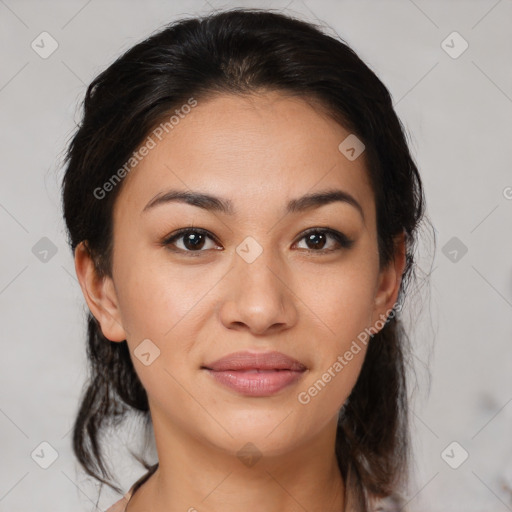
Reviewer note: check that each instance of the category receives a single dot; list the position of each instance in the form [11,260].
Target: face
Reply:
[267,272]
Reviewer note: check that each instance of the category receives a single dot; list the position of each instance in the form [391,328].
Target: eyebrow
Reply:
[213,203]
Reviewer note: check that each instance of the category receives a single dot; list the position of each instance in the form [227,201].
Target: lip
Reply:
[256,374]
[256,361]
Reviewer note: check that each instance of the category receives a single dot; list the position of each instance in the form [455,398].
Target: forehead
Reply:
[261,149]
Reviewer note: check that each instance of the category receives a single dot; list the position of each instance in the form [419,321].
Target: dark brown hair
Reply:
[245,51]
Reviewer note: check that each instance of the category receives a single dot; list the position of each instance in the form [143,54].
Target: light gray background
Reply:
[458,115]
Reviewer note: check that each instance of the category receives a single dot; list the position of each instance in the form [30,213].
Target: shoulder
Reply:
[120,506]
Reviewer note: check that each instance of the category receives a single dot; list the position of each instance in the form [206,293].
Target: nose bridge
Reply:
[258,295]
[256,267]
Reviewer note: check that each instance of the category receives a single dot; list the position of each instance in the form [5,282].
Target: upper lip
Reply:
[255,361]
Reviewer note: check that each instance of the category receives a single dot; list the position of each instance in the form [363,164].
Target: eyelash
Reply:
[343,241]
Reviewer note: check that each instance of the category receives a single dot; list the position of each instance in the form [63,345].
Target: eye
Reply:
[194,240]
[316,240]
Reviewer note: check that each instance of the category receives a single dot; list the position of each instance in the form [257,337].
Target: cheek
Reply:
[156,298]
[341,303]
[324,393]
[341,299]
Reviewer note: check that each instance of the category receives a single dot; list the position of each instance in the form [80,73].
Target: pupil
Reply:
[311,238]
[193,241]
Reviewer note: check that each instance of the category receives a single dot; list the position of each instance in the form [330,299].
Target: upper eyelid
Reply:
[183,231]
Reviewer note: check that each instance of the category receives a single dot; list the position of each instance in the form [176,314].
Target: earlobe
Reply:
[390,280]
[100,295]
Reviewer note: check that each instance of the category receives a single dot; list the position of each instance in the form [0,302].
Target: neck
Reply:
[193,475]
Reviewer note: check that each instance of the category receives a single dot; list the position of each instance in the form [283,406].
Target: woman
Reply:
[242,207]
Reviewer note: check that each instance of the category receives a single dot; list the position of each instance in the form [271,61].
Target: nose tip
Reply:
[258,297]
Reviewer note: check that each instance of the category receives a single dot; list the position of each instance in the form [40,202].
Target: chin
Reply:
[270,435]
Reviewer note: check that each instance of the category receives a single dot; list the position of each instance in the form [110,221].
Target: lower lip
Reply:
[250,383]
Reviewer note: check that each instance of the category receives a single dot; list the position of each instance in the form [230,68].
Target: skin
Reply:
[259,152]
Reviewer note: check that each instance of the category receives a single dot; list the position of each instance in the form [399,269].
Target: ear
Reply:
[390,279]
[100,294]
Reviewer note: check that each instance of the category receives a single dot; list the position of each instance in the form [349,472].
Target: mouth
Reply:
[256,374]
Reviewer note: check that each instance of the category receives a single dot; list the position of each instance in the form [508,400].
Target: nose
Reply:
[258,296]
